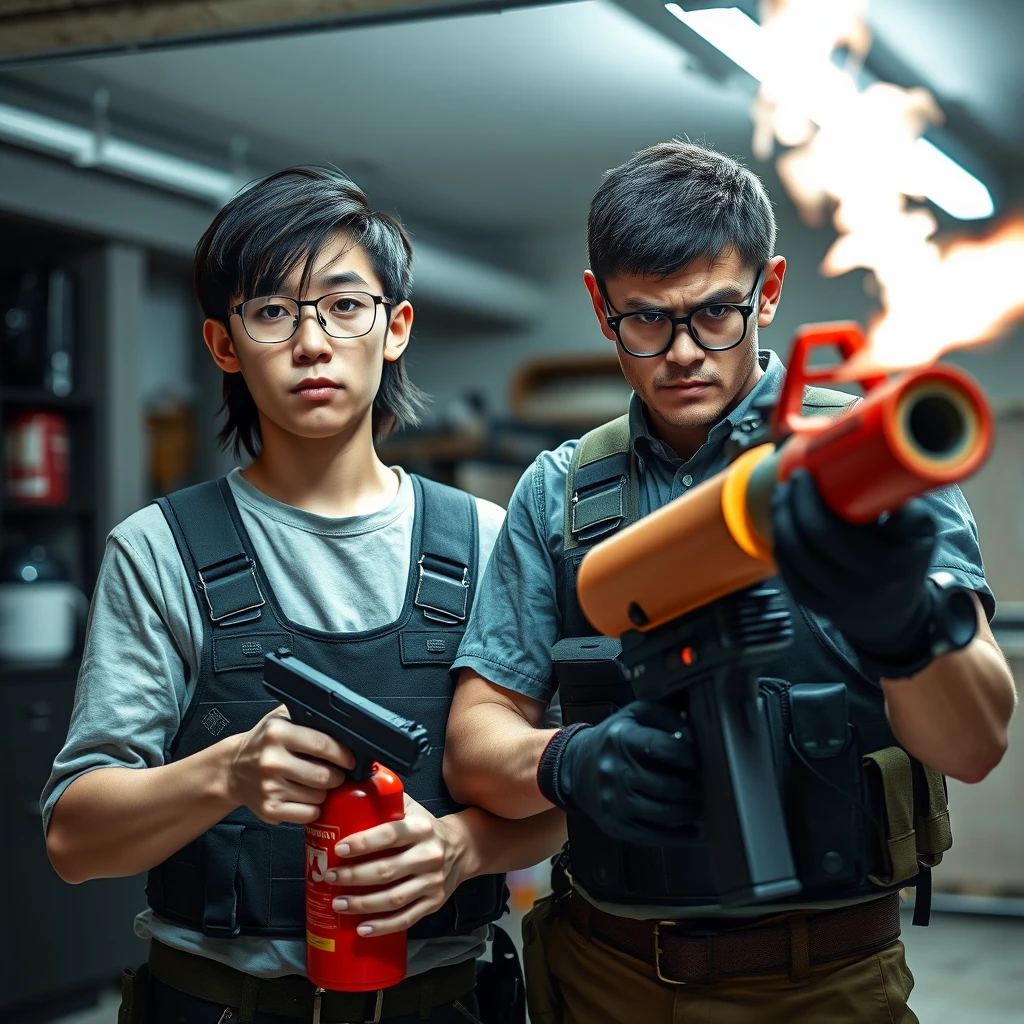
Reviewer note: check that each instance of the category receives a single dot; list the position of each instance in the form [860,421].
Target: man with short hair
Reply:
[176,762]
[683,275]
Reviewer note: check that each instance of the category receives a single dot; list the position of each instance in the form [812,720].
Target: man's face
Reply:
[688,388]
[314,385]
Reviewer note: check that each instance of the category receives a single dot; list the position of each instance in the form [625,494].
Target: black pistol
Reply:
[371,732]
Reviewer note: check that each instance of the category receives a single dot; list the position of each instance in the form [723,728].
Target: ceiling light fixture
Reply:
[942,180]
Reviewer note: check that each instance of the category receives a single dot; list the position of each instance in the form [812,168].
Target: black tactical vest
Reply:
[243,876]
[864,820]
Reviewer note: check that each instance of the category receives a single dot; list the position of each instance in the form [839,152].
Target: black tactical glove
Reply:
[634,774]
[869,579]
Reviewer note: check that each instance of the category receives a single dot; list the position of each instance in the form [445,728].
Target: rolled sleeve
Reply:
[957,551]
[516,619]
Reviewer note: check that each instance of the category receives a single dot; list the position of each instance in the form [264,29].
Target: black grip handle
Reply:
[743,812]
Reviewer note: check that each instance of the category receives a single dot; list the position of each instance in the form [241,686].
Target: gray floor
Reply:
[969,970]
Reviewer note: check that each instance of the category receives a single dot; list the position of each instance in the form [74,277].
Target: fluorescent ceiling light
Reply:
[946,183]
[87,148]
[44,133]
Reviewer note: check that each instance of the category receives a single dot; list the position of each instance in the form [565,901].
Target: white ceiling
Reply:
[506,121]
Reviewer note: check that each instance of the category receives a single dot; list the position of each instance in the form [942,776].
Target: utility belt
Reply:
[199,986]
[683,954]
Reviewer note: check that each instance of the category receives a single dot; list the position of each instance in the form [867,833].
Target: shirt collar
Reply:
[644,442]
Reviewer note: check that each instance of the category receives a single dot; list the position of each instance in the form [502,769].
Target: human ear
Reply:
[399,329]
[598,301]
[771,290]
[222,347]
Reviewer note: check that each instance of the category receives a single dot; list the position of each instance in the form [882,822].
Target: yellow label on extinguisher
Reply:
[319,942]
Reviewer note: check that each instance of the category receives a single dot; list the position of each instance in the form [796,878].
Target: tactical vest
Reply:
[863,820]
[243,876]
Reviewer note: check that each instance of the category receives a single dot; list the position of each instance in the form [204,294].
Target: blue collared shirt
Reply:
[517,620]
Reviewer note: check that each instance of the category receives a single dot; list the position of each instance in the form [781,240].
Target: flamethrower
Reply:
[704,629]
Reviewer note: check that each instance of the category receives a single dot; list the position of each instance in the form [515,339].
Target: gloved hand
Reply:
[868,579]
[634,774]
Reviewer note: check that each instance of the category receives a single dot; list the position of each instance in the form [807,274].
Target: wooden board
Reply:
[38,30]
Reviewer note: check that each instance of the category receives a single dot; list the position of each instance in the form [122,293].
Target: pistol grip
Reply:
[745,824]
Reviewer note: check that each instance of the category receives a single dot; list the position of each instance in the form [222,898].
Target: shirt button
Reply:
[687,480]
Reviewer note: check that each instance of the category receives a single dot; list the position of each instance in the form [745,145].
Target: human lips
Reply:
[687,386]
[316,388]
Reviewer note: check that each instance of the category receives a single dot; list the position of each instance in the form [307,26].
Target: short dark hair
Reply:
[267,231]
[673,203]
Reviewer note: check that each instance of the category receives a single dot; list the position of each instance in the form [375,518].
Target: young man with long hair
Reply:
[176,762]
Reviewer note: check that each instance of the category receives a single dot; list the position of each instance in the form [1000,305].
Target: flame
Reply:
[855,155]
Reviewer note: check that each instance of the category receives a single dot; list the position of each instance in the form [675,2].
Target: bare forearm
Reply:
[490,761]
[493,748]
[115,822]
[954,715]
[495,845]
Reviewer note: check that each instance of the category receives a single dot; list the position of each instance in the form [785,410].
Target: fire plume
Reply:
[855,155]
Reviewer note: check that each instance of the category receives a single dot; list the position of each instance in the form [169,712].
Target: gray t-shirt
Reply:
[144,643]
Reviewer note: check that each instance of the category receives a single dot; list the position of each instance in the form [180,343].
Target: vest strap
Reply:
[448,546]
[224,573]
[601,488]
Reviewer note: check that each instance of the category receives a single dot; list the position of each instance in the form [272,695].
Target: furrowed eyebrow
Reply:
[731,294]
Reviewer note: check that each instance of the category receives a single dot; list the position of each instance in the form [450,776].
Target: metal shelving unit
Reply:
[58,943]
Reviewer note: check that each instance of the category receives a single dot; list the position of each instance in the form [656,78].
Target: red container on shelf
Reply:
[36,458]
[336,957]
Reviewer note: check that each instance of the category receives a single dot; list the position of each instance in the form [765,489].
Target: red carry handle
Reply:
[849,338]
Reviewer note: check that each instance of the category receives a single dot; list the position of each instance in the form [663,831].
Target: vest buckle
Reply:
[440,596]
[230,613]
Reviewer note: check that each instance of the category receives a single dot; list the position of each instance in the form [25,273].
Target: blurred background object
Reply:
[886,133]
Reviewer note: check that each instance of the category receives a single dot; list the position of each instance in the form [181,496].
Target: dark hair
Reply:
[673,203]
[267,231]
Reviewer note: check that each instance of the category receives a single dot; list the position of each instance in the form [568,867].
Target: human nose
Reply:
[684,350]
[310,342]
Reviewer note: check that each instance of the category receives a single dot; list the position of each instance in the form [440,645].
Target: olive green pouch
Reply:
[890,772]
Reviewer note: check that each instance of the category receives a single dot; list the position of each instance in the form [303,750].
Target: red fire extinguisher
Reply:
[336,956]
[36,449]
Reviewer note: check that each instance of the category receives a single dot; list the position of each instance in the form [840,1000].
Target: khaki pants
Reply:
[573,980]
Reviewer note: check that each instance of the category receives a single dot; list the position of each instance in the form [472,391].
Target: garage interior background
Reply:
[488,132]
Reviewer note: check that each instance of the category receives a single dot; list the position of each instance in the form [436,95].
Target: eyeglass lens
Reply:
[342,315]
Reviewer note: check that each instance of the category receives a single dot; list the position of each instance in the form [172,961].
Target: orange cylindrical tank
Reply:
[683,551]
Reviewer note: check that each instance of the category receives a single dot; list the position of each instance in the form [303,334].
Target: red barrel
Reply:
[336,957]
